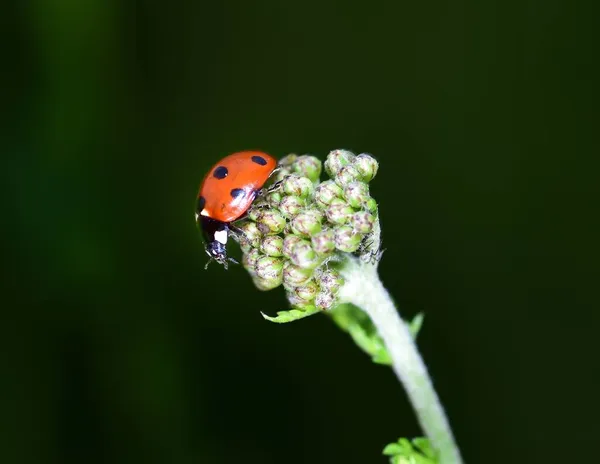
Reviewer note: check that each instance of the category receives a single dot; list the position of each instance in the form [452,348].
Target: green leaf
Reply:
[393,449]
[423,445]
[415,325]
[353,320]
[419,451]
[291,315]
[357,324]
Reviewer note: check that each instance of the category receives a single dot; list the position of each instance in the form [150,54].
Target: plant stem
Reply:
[364,289]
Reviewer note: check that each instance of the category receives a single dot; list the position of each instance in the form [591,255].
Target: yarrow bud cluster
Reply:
[297,226]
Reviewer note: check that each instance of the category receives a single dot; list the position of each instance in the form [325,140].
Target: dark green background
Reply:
[119,347]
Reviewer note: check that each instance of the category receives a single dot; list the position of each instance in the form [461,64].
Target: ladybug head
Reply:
[216,234]
[217,250]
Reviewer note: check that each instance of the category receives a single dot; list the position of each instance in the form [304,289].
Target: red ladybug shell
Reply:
[231,185]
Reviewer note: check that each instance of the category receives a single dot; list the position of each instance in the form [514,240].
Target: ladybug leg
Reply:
[236,232]
[261,193]
[276,186]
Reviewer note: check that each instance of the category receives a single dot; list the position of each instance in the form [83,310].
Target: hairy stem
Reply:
[364,289]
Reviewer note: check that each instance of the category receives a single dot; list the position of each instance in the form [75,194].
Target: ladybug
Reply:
[226,194]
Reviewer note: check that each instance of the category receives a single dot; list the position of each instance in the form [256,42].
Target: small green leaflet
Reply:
[419,451]
[358,325]
[415,325]
[291,315]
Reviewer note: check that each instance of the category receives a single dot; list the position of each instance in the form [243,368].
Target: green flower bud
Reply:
[371,205]
[323,242]
[366,165]
[287,230]
[307,223]
[289,242]
[288,160]
[346,239]
[270,221]
[298,186]
[265,284]
[245,244]
[269,268]
[273,198]
[326,192]
[291,205]
[281,174]
[251,235]
[255,211]
[357,193]
[347,175]
[249,260]
[330,281]
[336,160]
[325,301]
[304,256]
[272,245]
[362,222]
[339,212]
[297,302]
[308,291]
[308,166]
[294,276]
[284,167]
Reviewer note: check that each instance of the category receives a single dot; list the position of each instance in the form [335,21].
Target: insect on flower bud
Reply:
[336,160]
[307,223]
[323,242]
[308,166]
[362,222]
[366,165]
[297,185]
[326,192]
[346,239]
[270,221]
[272,245]
[304,256]
[357,193]
[346,175]
[291,205]
[339,212]
[297,233]
[294,276]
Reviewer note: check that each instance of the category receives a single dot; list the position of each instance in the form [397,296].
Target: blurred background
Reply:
[117,345]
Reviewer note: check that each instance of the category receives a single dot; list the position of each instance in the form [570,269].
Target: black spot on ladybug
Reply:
[220,172]
[237,193]
[201,203]
[259,160]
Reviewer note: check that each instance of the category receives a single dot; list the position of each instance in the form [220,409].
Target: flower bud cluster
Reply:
[296,227]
